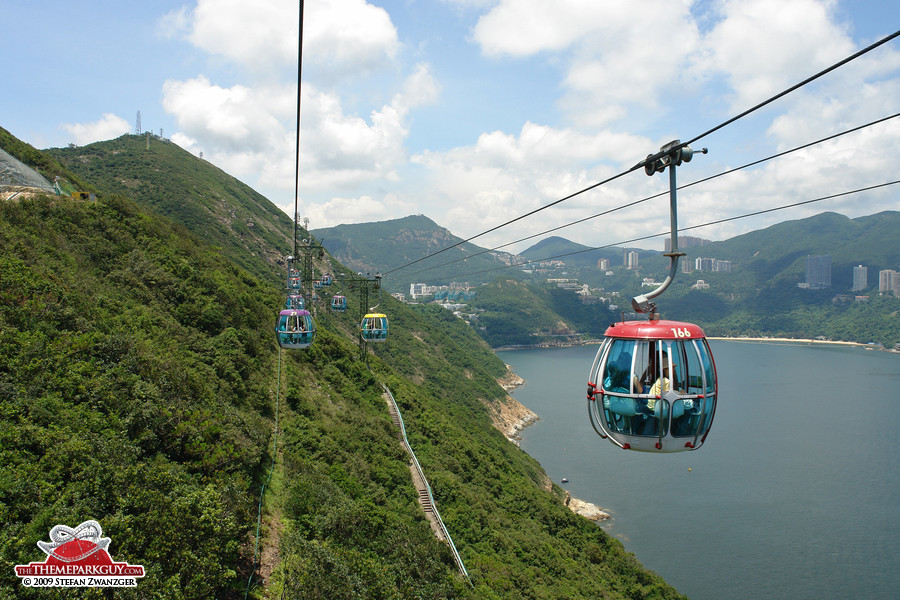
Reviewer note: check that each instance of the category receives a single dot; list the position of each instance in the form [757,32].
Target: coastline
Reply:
[546,345]
[763,339]
[509,415]
[781,340]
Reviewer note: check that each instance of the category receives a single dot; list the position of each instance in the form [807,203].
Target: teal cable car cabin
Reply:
[295,329]
[652,386]
[374,327]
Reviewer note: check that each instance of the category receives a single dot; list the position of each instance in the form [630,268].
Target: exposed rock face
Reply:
[509,415]
[510,381]
[586,509]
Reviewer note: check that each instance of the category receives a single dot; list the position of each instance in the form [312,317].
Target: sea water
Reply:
[795,494]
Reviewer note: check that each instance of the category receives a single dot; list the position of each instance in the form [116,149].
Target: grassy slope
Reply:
[249,229]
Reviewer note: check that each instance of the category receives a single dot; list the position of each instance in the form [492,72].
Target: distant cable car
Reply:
[317,284]
[295,329]
[295,301]
[339,303]
[294,283]
[374,327]
[652,386]
[326,279]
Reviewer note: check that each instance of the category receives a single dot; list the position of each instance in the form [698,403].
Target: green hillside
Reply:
[387,245]
[160,175]
[142,388]
[513,312]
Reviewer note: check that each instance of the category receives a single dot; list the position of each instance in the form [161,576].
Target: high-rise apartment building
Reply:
[860,278]
[818,272]
[889,282]
[632,260]
[686,241]
[704,264]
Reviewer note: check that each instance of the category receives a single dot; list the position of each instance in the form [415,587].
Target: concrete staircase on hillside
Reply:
[426,500]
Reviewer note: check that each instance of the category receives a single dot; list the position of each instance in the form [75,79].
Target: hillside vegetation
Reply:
[142,388]
[162,176]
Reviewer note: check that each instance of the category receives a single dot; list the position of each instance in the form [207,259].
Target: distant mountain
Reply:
[579,255]
[758,294]
[779,252]
[387,245]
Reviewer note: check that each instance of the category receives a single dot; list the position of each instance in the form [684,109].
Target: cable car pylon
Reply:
[652,386]
[373,326]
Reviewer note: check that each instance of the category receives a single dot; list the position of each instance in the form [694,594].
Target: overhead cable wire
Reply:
[795,87]
[681,229]
[663,193]
[654,157]
[297,147]
[262,491]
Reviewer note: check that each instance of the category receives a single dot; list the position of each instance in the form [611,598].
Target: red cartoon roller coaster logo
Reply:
[78,558]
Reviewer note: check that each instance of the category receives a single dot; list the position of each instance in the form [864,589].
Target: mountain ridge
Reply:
[758,294]
[390,245]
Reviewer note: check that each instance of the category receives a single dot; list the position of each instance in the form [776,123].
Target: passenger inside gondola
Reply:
[619,409]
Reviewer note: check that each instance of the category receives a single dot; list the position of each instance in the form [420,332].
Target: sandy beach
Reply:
[787,341]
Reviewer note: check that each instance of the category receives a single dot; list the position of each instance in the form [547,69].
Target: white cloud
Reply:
[617,56]
[656,69]
[251,130]
[109,126]
[175,23]
[525,27]
[474,188]
[238,118]
[248,128]
[350,36]
[764,46]
[345,37]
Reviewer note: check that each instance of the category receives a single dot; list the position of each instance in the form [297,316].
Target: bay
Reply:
[795,494]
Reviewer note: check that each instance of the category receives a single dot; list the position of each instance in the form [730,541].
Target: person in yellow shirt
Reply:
[662,383]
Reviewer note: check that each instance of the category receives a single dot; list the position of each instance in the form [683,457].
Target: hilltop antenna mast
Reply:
[137,124]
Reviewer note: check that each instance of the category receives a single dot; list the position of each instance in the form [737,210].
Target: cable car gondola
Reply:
[374,327]
[652,386]
[295,301]
[295,329]
[339,303]
[326,279]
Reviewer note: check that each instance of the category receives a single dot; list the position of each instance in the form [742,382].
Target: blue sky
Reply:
[476,111]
